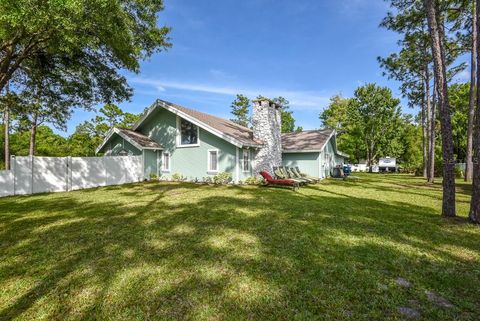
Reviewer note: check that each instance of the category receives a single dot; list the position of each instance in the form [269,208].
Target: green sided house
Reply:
[314,151]
[175,139]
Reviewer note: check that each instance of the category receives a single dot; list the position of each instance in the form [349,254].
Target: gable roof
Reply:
[234,133]
[309,140]
[137,139]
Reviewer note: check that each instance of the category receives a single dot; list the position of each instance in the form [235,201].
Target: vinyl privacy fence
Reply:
[29,175]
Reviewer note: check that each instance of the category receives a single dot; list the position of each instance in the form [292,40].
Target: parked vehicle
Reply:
[387,164]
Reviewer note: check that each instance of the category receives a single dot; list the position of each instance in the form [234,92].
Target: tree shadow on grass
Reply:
[409,185]
[185,251]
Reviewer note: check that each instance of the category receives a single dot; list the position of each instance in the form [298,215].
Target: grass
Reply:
[163,251]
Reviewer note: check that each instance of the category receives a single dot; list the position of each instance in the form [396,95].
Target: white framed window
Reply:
[187,133]
[246,160]
[212,160]
[165,162]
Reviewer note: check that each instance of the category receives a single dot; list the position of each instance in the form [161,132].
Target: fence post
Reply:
[32,158]
[68,180]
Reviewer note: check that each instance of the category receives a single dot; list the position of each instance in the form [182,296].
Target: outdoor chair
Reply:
[285,182]
[281,174]
[295,174]
[316,179]
[289,175]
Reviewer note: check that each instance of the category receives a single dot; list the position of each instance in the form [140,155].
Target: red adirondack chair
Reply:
[271,181]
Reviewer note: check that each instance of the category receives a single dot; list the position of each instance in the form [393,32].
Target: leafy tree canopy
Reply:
[85,42]
[370,124]
[288,122]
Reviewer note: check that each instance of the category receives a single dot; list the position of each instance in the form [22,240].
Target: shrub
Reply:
[207,180]
[222,178]
[418,171]
[153,177]
[459,172]
[177,177]
[254,180]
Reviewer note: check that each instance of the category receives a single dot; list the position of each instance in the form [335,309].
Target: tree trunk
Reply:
[367,146]
[432,136]
[471,102]
[425,122]
[424,141]
[474,214]
[6,122]
[33,134]
[438,53]
[428,124]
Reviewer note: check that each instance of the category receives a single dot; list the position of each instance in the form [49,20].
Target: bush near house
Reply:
[222,178]
[366,249]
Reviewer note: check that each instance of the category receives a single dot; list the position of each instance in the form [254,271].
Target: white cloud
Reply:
[300,100]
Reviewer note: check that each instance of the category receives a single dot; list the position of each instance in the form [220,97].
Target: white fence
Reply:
[29,175]
[359,167]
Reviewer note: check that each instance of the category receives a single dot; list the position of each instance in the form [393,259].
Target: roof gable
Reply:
[309,140]
[137,139]
[234,133]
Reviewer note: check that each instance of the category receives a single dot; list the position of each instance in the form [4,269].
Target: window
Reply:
[187,133]
[213,160]
[246,161]
[166,162]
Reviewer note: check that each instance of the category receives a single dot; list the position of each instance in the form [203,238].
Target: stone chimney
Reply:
[267,124]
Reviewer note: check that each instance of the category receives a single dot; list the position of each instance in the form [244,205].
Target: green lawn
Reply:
[334,251]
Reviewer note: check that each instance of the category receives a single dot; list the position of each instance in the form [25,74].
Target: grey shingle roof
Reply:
[238,132]
[307,140]
[139,138]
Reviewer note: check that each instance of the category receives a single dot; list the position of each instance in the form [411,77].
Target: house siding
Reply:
[150,162]
[339,160]
[117,143]
[329,159]
[191,162]
[307,162]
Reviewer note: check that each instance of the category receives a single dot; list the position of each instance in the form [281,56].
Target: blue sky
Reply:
[304,50]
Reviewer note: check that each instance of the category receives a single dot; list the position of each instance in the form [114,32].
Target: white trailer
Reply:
[387,164]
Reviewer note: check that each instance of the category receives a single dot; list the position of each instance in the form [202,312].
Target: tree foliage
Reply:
[241,110]
[89,134]
[86,42]
[82,142]
[370,125]
[459,101]
[288,122]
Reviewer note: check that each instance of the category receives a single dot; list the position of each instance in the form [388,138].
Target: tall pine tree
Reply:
[240,110]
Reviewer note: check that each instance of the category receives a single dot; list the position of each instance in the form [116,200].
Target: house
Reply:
[314,151]
[175,139]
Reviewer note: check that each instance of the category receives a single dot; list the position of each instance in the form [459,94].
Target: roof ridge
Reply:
[125,128]
[210,115]
[308,131]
